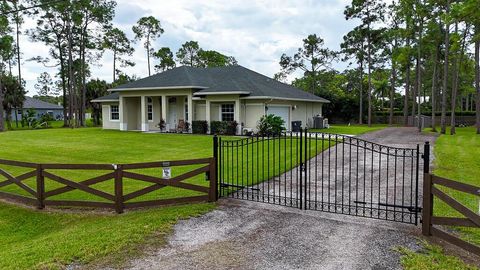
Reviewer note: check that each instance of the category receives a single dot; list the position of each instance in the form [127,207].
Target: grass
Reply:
[431,258]
[351,130]
[458,158]
[37,239]
[48,240]
[40,240]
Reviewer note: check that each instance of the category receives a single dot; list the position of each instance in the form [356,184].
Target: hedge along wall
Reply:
[466,118]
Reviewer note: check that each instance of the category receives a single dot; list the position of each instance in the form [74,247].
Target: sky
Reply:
[256,33]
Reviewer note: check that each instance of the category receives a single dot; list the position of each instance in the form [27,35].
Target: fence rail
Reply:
[470,219]
[116,172]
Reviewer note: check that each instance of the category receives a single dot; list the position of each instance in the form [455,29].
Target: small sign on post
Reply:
[167,172]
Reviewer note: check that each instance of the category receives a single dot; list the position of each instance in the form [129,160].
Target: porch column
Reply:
[143,113]
[122,107]
[207,114]
[189,109]
[164,108]
[236,116]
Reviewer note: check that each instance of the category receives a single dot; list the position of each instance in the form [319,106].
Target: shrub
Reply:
[223,127]
[270,125]
[199,127]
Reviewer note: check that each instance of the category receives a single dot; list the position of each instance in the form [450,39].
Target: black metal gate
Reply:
[319,171]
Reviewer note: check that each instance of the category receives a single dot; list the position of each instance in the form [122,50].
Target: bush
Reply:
[223,127]
[199,127]
[270,125]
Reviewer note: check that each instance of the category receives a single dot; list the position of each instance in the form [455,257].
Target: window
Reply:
[114,112]
[19,112]
[227,112]
[149,109]
[186,108]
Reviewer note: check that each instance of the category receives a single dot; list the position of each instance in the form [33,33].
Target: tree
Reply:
[147,28]
[468,11]
[13,95]
[96,88]
[165,56]
[116,41]
[369,12]
[187,54]
[190,54]
[45,85]
[215,59]
[354,44]
[18,22]
[74,32]
[312,58]
[6,48]
[443,120]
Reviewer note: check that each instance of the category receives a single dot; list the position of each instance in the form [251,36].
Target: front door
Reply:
[172,115]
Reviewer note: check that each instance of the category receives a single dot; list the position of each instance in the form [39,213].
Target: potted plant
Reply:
[162,125]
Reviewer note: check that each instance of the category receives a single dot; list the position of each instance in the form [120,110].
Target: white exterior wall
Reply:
[247,111]
[106,122]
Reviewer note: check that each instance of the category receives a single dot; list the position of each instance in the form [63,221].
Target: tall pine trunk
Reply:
[360,115]
[443,118]
[434,88]
[148,59]
[392,90]
[458,63]
[2,120]
[419,74]
[477,75]
[114,62]
[369,84]
[17,23]
[407,83]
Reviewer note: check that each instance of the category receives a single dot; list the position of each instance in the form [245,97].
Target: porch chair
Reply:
[181,126]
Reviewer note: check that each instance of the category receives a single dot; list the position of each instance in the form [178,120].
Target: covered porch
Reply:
[165,113]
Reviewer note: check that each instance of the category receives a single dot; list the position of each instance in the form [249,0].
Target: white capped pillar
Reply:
[164,108]
[143,111]
[207,113]
[189,109]
[236,116]
[122,107]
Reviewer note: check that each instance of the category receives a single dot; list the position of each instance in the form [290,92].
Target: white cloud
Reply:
[256,33]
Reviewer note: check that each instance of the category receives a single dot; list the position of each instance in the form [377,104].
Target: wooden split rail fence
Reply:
[429,220]
[118,201]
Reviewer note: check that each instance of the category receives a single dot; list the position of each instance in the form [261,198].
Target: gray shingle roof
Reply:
[31,103]
[221,79]
[112,96]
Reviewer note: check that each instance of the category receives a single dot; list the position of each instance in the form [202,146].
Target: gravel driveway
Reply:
[251,235]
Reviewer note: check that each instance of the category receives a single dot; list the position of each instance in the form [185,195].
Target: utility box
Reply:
[318,122]
[296,126]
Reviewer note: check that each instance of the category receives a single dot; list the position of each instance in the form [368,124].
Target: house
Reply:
[40,107]
[186,94]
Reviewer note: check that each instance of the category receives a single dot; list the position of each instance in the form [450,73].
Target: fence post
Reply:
[306,192]
[427,192]
[213,194]
[300,181]
[40,187]
[426,157]
[427,205]
[119,189]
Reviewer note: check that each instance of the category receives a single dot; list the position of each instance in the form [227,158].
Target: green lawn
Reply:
[58,239]
[458,158]
[350,130]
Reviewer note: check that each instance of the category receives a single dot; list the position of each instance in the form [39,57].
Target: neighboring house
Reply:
[40,107]
[232,93]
